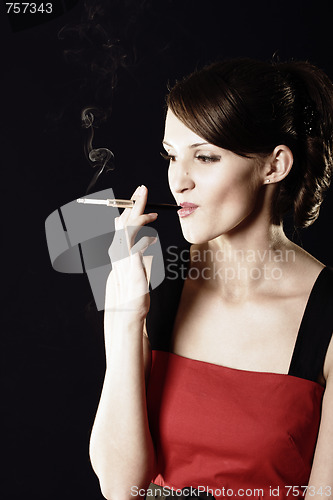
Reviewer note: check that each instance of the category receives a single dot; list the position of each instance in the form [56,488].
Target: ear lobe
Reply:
[278,164]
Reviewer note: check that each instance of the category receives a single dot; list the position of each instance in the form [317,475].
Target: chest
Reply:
[239,428]
[257,334]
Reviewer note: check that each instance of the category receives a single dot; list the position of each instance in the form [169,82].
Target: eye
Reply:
[168,157]
[208,159]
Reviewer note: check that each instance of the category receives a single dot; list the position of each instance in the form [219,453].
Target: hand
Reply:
[127,288]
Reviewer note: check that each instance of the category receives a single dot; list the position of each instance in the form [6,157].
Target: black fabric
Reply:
[315,331]
[164,299]
[314,334]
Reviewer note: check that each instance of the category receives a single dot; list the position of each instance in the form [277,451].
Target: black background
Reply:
[53,355]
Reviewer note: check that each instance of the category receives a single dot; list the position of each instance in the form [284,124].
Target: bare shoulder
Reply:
[303,269]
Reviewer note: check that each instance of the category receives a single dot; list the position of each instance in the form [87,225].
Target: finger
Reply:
[143,244]
[140,202]
[130,214]
[143,219]
[138,216]
[122,220]
[135,194]
[129,211]
[117,223]
[132,231]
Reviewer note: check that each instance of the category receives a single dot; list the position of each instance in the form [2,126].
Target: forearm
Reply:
[121,447]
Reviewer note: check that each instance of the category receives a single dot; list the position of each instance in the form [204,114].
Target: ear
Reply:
[277,165]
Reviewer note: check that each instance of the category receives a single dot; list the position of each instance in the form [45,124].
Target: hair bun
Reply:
[249,107]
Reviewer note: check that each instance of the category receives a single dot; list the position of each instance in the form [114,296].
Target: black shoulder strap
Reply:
[316,329]
[164,299]
[314,334]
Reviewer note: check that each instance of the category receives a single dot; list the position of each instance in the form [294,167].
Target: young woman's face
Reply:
[217,188]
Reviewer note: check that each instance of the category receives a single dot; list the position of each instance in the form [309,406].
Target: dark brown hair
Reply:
[249,107]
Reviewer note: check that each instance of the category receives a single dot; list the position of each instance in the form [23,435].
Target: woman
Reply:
[239,398]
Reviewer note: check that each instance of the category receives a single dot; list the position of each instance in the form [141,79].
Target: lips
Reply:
[187,209]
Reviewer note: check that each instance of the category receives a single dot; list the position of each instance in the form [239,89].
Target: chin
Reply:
[196,238]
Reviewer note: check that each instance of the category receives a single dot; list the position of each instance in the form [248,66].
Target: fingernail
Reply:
[142,190]
[136,191]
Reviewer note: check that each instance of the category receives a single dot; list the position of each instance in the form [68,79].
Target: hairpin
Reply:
[309,119]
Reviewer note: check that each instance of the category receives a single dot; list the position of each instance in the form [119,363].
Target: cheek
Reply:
[236,193]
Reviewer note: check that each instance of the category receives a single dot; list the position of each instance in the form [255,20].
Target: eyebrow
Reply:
[192,145]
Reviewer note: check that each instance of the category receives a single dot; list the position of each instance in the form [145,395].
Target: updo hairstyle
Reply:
[249,107]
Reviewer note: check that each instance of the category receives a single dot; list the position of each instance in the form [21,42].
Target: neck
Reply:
[243,261]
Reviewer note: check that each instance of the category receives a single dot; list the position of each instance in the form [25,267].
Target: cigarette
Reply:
[125,203]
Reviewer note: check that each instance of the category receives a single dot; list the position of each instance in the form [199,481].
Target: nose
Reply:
[180,177]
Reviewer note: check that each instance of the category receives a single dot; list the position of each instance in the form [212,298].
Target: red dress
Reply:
[220,427]
[226,430]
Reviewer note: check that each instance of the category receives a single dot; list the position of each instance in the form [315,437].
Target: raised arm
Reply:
[121,448]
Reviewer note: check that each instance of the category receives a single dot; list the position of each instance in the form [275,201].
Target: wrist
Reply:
[123,323]
[127,321]
[123,340]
